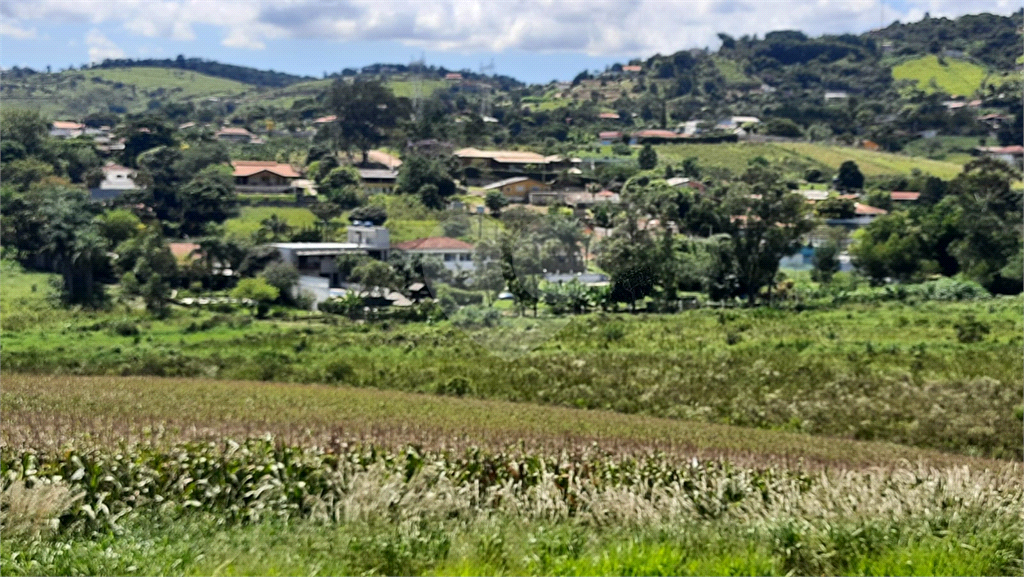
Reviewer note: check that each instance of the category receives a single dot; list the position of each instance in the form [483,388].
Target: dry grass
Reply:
[33,510]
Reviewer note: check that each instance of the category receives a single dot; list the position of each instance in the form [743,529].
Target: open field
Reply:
[864,445]
[799,156]
[118,475]
[735,156]
[186,83]
[68,408]
[955,77]
[871,163]
[890,371]
[248,221]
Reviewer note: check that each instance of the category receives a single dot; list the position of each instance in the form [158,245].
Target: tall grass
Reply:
[406,512]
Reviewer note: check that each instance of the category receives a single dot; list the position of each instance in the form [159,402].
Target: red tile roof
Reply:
[608,116]
[184,250]
[434,243]
[900,195]
[251,167]
[655,133]
[868,210]
[632,68]
[67,125]
[609,134]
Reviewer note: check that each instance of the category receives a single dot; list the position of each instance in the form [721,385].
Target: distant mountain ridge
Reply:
[246,74]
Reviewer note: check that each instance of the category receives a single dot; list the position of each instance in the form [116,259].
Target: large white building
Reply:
[317,261]
[457,255]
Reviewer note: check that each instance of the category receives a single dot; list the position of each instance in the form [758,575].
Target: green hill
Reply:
[956,77]
[185,83]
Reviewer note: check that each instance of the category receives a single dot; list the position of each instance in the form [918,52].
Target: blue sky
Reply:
[533,40]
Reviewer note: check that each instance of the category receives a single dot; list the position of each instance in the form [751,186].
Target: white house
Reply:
[116,180]
[455,254]
[319,259]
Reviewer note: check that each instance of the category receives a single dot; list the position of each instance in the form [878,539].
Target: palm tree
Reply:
[273,229]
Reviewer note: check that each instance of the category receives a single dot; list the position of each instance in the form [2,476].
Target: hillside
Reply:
[952,76]
[73,93]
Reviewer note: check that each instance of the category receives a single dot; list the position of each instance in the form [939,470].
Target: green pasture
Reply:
[953,76]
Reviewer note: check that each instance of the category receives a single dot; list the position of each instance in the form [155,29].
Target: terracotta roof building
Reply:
[868,210]
[901,196]
[263,176]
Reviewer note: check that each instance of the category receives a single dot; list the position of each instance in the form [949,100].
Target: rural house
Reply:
[263,176]
[65,129]
[116,180]
[518,188]
[378,180]
[513,162]
[235,134]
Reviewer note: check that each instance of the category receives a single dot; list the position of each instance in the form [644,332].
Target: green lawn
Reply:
[955,77]
[248,221]
[734,156]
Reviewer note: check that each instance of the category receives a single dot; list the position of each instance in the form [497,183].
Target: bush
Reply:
[458,386]
[971,330]
[124,327]
[476,316]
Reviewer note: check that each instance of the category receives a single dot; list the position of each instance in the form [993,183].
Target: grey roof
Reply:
[502,183]
[377,174]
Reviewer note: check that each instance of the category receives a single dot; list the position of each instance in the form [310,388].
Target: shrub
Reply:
[971,330]
[476,316]
[457,386]
[124,327]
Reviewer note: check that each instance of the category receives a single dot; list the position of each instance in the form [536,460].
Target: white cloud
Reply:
[101,47]
[595,27]
[13,31]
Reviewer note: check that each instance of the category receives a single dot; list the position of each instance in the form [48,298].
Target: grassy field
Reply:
[183,82]
[799,156]
[955,149]
[889,371]
[955,77]
[248,221]
[855,440]
[734,156]
[871,163]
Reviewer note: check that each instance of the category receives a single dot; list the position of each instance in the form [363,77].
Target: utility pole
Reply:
[416,71]
[485,98]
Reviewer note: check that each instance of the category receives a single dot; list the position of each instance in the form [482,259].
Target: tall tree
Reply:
[365,110]
[71,241]
[648,158]
[208,198]
[767,221]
